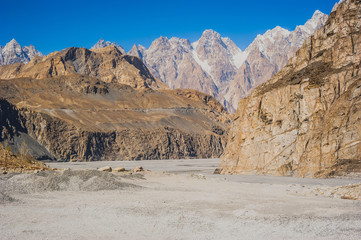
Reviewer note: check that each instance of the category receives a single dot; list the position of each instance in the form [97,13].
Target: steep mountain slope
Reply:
[14,53]
[305,121]
[78,105]
[216,66]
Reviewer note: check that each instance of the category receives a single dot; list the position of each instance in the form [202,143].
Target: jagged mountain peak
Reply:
[14,53]
[316,22]
[181,41]
[12,42]
[210,33]
[138,51]
[214,61]
[102,43]
[273,33]
[336,5]
[209,36]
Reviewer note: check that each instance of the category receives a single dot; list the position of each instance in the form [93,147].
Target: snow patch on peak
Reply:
[204,64]
[239,58]
[195,45]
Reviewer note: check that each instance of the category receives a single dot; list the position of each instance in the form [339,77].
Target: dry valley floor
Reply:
[177,199]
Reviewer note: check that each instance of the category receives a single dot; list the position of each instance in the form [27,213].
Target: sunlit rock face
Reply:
[305,121]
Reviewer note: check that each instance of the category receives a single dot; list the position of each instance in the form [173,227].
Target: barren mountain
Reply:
[14,53]
[81,104]
[305,121]
[216,66]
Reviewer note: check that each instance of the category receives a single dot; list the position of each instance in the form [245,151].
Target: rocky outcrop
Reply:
[305,121]
[14,53]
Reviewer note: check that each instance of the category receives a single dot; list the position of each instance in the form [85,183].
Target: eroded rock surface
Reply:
[305,121]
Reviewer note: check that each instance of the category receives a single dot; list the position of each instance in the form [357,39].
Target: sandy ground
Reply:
[178,199]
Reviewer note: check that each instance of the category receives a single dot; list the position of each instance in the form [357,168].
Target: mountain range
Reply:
[216,66]
[213,64]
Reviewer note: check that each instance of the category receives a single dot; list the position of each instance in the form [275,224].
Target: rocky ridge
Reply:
[14,53]
[305,121]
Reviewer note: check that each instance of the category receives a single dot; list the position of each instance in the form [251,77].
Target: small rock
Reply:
[36,171]
[105,169]
[119,169]
[138,169]
[5,172]
[217,171]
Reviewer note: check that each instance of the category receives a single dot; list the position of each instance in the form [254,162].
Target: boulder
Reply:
[105,169]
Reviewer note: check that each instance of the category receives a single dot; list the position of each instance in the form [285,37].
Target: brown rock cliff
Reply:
[306,120]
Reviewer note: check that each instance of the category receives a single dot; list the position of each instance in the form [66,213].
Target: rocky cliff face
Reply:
[67,104]
[14,53]
[305,121]
[216,66]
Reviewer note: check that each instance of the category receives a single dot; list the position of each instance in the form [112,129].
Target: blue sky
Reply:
[55,25]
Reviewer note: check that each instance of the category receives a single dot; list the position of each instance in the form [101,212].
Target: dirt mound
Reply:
[20,163]
[68,180]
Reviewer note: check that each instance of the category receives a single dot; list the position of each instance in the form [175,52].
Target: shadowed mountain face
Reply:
[305,121]
[101,105]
